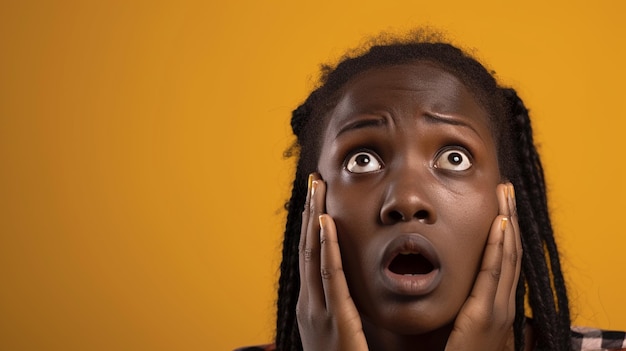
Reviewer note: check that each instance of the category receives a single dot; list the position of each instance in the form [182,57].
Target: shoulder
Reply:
[593,339]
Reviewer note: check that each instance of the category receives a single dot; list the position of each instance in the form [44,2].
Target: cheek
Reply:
[473,228]
[350,217]
[347,202]
[355,214]
[476,221]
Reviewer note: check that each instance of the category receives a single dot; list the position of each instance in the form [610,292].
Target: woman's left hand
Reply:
[486,319]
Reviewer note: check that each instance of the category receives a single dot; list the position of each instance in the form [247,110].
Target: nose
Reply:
[407,198]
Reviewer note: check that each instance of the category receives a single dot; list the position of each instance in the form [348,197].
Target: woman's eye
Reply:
[453,160]
[363,162]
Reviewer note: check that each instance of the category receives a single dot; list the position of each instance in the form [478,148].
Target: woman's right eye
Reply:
[363,162]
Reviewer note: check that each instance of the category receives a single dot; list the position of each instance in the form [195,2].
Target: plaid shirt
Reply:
[583,339]
[590,339]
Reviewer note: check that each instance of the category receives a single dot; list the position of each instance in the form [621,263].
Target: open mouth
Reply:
[411,265]
[406,263]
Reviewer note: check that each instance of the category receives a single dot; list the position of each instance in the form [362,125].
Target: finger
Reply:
[303,255]
[518,243]
[305,223]
[511,258]
[514,218]
[502,192]
[486,284]
[312,272]
[333,278]
[511,200]
[505,297]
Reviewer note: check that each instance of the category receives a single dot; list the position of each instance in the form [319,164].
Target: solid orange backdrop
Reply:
[142,178]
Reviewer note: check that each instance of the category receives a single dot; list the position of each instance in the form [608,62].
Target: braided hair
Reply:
[541,280]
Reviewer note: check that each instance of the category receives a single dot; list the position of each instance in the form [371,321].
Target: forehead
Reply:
[423,83]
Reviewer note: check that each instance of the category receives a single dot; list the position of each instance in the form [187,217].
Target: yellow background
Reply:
[141,169]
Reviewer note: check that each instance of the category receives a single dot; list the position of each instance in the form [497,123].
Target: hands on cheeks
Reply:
[329,320]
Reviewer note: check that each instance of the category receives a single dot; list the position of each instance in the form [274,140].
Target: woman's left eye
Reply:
[453,160]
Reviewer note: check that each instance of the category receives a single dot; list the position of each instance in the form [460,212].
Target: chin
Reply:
[409,321]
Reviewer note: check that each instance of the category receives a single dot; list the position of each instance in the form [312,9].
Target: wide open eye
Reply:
[363,162]
[453,160]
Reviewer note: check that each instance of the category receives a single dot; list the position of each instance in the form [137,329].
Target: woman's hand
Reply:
[327,317]
[486,319]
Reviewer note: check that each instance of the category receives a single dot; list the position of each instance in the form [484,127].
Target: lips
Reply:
[411,265]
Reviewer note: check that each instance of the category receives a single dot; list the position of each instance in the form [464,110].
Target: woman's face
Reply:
[411,172]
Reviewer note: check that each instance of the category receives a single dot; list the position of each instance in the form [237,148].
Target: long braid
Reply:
[541,260]
[289,281]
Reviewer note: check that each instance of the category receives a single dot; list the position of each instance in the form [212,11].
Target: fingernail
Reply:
[310,182]
[503,223]
[313,187]
[512,191]
[506,192]
[322,221]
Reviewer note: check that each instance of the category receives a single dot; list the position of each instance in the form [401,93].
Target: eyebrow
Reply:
[447,119]
[431,118]
[361,124]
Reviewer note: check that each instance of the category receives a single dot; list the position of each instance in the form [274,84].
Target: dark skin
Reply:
[409,189]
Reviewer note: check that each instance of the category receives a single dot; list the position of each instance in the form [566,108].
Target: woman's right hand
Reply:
[327,317]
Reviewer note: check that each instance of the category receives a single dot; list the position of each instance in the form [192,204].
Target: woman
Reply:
[425,222]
